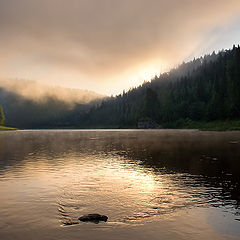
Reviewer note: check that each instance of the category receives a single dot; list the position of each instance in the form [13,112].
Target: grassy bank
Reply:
[229,125]
[3,128]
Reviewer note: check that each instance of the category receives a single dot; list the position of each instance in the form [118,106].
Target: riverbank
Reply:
[3,128]
[229,125]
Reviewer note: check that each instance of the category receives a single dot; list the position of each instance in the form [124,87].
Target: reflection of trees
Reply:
[213,158]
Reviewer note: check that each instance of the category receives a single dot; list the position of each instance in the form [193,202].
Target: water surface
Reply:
[162,184]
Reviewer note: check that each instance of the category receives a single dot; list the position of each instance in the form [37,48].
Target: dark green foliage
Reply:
[150,104]
[49,113]
[205,89]
[2,117]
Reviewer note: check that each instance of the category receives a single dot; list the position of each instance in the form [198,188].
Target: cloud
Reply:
[100,44]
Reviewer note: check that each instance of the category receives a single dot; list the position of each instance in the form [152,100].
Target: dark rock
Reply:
[96,218]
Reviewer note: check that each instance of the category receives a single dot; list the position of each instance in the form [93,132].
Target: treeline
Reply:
[55,109]
[204,89]
[24,113]
[207,88]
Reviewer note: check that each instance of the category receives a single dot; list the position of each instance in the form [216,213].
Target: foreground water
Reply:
[162,184]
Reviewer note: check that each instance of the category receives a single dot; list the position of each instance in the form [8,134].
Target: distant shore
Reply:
[227,125]
[219,125]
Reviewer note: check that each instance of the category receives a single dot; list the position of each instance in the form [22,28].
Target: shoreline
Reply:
[3,128]
[229,125]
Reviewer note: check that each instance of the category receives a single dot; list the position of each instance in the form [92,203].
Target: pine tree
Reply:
[2,117]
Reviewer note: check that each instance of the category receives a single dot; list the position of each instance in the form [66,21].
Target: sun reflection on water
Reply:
[52,182]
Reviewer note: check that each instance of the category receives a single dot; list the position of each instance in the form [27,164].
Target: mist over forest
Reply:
[28,104]
[204,89]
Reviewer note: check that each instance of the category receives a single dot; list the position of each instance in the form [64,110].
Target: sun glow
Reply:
[145,72]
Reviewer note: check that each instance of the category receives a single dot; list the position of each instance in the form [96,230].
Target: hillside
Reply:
[28,104]
[204,89]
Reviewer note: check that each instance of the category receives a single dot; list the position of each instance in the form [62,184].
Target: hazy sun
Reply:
[146,72]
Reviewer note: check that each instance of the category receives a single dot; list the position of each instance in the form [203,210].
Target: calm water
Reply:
[162,184]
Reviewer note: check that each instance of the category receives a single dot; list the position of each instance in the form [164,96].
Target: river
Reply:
[152,184]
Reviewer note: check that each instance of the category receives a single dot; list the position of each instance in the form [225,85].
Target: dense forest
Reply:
[27,104]
[204,89]
[207,89]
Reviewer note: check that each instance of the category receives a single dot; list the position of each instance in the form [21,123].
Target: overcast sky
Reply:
[109,45]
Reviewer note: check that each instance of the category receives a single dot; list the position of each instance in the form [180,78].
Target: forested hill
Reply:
[207,88]
[28,104]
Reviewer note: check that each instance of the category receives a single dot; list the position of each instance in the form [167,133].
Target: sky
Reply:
[109,45]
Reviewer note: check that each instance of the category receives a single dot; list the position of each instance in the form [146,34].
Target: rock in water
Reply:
[96,218]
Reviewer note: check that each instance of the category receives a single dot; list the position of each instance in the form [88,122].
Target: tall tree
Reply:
[2,116]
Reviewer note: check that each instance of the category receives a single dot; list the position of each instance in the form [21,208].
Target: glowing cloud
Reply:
[105,45]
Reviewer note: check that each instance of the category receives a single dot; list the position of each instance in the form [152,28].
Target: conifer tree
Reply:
[2,117]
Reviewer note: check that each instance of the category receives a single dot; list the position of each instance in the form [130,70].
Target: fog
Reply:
[107,45]
[41,93]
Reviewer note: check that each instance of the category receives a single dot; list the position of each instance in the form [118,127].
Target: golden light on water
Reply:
[53,177]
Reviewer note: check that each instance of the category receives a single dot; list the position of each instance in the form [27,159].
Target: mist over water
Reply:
[155,184]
